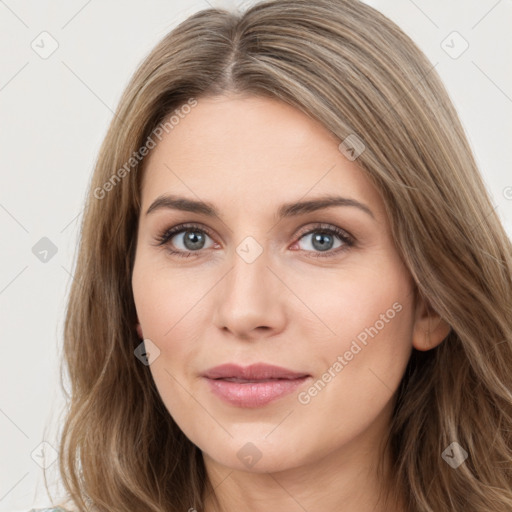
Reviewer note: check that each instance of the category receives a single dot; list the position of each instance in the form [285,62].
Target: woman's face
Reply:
[264,280]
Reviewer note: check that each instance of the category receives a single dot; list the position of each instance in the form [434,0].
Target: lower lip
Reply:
[253,394]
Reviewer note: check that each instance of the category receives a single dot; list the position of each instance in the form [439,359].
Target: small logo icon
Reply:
[147,352]
[352,146]
[44,45]
[454,455]
[44,250]
[44,455]
[249,454]
[454,45]
[249,249]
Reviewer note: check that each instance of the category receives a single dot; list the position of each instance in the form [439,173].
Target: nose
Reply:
[249,301]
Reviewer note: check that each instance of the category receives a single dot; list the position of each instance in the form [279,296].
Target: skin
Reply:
[247,156]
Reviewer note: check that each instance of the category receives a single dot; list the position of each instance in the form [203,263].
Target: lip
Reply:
[252,386]
[258,371]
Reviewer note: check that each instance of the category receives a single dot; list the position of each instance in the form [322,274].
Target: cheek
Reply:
[360,299]
[372,316]
[171,310]
[167,309]
[165,301]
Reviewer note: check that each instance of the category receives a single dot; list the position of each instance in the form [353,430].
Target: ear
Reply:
[429,328]
[139,331]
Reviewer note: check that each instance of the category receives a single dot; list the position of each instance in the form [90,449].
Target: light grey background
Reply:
[54,113]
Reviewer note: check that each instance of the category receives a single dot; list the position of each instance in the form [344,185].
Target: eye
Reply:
[322,238]
[193,239]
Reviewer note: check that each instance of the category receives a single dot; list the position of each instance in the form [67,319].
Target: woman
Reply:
[292,289]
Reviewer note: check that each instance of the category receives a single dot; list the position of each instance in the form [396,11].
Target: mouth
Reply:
[253,386]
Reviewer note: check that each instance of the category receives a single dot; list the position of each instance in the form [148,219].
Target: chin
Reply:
[254,457]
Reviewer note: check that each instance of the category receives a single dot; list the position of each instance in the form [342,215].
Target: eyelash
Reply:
[348,241]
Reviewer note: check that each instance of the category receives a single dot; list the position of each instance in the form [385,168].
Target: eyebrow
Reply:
[286,210]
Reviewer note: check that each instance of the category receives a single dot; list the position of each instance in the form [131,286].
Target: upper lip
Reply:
[256,371]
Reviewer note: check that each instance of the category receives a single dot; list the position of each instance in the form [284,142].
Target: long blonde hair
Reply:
[348,66]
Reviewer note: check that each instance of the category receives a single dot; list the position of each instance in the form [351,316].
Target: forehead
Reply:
[251,150]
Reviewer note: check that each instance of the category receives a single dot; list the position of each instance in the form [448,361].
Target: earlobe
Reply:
[429,328]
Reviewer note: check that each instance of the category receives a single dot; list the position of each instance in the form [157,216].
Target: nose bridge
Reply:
[248,296]
[249,277]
